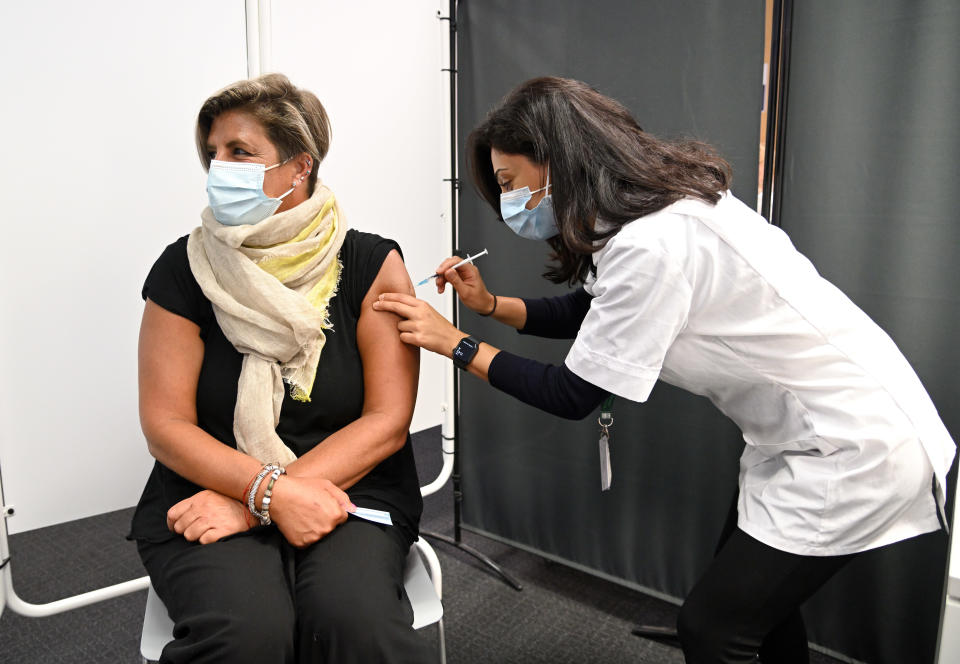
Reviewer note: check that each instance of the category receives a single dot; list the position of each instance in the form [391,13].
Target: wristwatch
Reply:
[464,352]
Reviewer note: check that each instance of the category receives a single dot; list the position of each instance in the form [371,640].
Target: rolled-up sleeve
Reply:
[641,302]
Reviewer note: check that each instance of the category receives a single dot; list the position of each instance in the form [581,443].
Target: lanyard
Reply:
[605,421]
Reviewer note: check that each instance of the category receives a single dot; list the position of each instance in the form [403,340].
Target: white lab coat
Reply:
[843,441]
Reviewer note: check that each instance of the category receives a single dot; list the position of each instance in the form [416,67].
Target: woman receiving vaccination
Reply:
[680,281]
[275,400]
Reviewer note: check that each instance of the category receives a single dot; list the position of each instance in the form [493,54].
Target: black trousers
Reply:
[748,602]
[254,598]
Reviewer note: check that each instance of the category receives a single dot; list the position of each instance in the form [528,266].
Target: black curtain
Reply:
[689,68]
[870,181]
[870,194]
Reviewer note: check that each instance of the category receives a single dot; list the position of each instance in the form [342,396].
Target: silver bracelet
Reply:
[264,514]
[251,497]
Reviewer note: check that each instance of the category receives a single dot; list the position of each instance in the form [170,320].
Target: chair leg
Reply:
[443,643]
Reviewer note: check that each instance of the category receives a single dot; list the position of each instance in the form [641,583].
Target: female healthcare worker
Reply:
[682,282]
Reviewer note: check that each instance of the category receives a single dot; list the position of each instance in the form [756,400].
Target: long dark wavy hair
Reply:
[602,164]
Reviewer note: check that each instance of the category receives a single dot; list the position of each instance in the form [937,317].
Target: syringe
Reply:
[468,259]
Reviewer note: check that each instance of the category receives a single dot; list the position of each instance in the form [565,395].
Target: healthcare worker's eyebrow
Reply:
[502,168]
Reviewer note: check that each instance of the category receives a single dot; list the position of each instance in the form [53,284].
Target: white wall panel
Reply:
[375,65]
[98,174]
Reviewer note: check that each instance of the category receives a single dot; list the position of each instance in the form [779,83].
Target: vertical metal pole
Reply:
[454,403]
[786,27]
[455,235]
[265,35]
[771,202]
[4,547]
[252,17]
[772,109]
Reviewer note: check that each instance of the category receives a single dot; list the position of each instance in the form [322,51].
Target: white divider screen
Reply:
[100,173]
[376,68]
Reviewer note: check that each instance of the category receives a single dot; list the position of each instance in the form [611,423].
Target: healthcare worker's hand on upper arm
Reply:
[422,325]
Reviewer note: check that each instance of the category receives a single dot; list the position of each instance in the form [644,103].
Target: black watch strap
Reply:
[465,351]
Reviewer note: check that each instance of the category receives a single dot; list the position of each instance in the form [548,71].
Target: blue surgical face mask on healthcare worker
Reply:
[235,192]
[540,223]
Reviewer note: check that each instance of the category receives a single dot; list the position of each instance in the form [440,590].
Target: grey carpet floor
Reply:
[561,616]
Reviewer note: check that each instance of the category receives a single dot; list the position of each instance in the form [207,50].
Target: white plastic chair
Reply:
[423,588]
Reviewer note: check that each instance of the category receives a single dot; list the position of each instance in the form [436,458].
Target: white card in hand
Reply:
[377,516]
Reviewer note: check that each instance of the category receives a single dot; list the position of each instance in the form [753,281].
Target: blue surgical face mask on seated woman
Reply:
[540,223]
[235,192]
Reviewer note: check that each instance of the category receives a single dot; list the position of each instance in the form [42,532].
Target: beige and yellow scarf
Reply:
[270,285]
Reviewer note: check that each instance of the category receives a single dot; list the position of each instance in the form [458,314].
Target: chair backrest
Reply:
[424,589]
[157,627]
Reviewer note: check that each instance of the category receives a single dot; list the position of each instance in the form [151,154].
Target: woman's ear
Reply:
[304,164]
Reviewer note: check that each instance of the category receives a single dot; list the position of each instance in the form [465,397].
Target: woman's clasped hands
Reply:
[305,509]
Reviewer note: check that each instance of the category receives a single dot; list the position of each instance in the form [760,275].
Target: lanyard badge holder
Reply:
[605,421]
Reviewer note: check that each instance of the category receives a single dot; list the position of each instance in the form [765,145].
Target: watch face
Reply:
[464,352]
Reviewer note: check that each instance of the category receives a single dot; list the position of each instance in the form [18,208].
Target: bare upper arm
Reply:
[391,368]
[170,354]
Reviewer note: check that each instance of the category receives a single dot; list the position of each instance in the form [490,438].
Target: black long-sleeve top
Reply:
[551,388]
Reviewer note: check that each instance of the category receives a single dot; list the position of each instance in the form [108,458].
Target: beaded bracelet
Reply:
[252,494]
[264,514]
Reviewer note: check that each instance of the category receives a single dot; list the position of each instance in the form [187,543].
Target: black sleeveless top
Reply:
[336,399]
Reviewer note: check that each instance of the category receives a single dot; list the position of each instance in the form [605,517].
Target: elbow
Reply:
[154,447]
[394,426]
[576,412]
[151,447]
[393,433]
[150,436]
[397,440]
[160,432]
[578,407]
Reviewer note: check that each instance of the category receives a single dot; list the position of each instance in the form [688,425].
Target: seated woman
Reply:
[275,399]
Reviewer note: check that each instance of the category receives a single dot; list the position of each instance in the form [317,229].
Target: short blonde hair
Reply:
[294,119]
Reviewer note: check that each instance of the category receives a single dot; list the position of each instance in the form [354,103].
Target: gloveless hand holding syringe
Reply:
[468,259]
